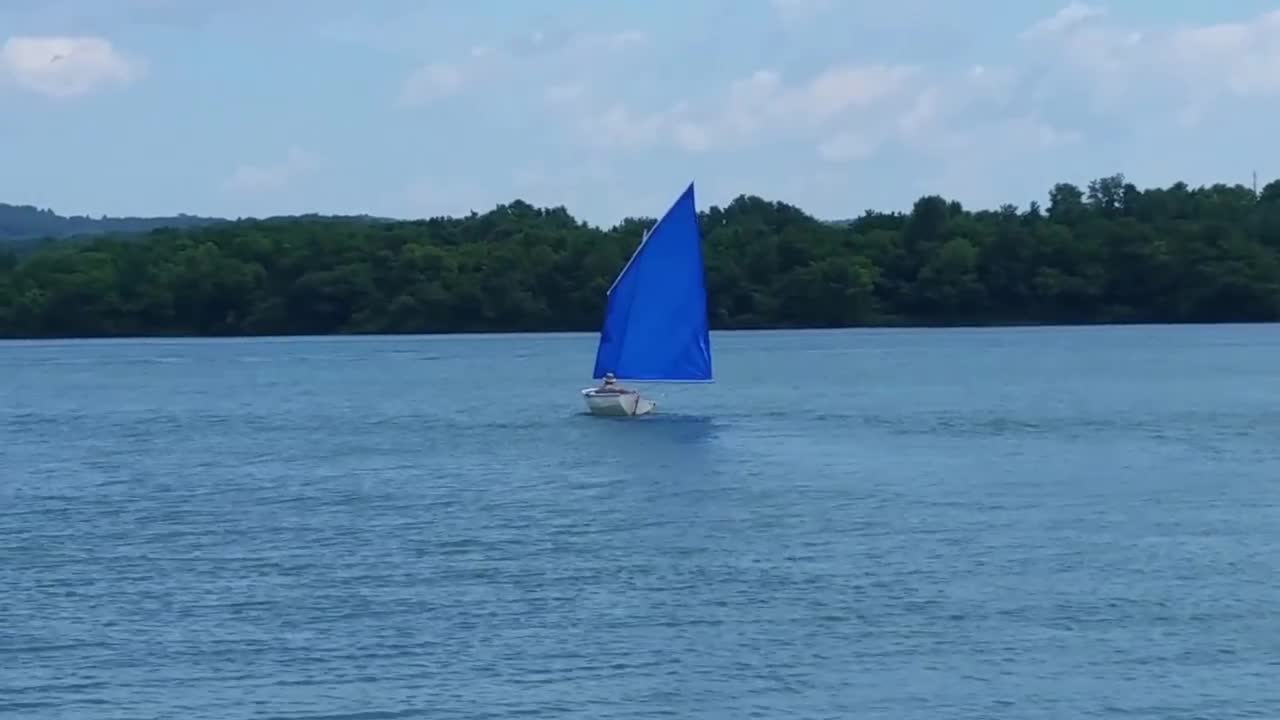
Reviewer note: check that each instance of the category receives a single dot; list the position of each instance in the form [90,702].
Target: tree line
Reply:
[1106,253]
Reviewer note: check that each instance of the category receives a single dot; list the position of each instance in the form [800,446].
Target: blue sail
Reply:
[655,325]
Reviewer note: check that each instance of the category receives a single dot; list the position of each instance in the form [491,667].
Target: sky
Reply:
[417,108]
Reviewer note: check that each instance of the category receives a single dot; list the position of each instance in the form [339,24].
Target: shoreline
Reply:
[593,333]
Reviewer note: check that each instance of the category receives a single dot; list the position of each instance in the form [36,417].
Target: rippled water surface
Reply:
[1039,523]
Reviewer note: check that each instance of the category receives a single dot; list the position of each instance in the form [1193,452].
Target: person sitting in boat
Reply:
[610,385]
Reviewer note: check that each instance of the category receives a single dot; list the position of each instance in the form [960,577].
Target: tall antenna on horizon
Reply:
[1255,183]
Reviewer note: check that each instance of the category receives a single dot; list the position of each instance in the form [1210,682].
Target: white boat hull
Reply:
[617,404]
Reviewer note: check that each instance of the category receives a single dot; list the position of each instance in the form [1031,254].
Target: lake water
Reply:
[1034,523]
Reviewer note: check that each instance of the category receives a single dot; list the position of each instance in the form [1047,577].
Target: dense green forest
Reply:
[1105,253]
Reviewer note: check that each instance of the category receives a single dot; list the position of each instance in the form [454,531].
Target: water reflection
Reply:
[655,449]
[671,428]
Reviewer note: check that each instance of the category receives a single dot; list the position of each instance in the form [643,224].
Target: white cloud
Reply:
[65,66]
[618,127]
[794,11]
[760,105]
[1189,66]
[611,41]
[273,176]
[562,94]
[946,110]
[849,111]
[431,82]
[693,137]
[841,88]
[764,100]
[1243,56]
[1070,17]
[845,146]
[531,57]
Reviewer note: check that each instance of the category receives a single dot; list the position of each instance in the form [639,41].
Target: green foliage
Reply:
[1107,253]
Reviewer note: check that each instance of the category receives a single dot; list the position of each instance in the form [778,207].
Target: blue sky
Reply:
[410,109]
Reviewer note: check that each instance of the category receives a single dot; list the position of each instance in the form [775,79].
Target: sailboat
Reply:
[655,325]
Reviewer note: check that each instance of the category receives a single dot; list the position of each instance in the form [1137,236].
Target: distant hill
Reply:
[23,227]
[20,223]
